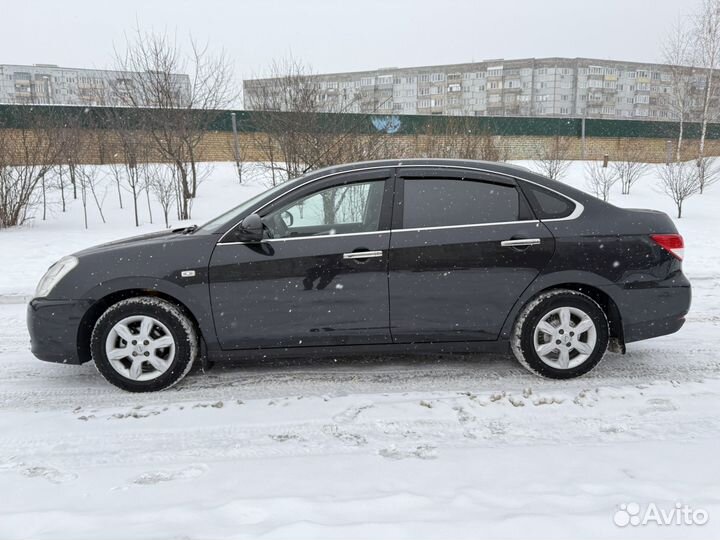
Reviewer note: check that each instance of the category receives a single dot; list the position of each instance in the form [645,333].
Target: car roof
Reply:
[492,166]
[516,171]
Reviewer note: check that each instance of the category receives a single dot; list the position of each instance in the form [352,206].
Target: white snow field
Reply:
[459,447]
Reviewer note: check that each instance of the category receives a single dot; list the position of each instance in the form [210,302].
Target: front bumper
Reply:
[53,327]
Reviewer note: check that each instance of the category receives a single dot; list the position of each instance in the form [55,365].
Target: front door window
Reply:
[347,208]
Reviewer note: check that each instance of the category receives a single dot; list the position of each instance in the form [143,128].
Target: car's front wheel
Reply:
[560,334]
[144,344]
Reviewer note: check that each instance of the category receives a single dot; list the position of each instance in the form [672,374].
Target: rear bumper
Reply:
[53,327]
[649,312]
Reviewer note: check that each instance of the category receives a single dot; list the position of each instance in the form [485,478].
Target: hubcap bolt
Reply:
[568,344]
[572,334]
[557,342]
[134,353]
[562,331]
[146,353]
[134,342]
[146,342]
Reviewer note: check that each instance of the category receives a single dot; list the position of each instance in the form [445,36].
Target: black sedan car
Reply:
[390,256]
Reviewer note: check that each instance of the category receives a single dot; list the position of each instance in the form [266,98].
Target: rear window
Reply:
[547,204]
[442,202]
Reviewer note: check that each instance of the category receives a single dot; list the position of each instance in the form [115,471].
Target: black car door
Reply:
[464,246]
[320,279]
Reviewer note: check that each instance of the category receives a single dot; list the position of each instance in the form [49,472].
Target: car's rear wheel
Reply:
[144,344]
[560,334]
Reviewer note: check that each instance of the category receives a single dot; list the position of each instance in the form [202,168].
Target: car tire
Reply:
[546,340]
[144,344]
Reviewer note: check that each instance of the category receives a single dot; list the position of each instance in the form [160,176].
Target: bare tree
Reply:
[183,109]
[455,137]
[630,164]
[679,55]
[679,181]
[60,182]
[89,179]
[600,179]
[131,147]
[552,157]
[163,186]
[707,42]
[27,154]
[708,172]
[133,184]
[117,174]
[311,133]
[72,146]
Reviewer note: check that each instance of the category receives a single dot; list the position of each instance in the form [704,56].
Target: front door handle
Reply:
[362,254]
[520,242]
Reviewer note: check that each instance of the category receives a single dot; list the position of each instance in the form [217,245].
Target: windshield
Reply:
[235,213]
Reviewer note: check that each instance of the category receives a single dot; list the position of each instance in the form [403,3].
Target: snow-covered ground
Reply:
[441,447]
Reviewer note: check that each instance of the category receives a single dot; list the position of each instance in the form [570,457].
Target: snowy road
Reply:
[420,447]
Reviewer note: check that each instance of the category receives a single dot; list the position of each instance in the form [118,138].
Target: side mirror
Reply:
[251,229]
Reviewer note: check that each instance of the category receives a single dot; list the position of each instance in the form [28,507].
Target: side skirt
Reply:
[497,347]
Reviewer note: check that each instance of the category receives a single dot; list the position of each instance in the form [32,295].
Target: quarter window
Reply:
[547,205]
[445,202]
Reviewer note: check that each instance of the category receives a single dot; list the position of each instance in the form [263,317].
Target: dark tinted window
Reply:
[547,205]
[442,202]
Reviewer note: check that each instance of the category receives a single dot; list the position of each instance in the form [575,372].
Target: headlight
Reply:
[54,274]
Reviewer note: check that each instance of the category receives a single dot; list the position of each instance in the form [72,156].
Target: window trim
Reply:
[393,180]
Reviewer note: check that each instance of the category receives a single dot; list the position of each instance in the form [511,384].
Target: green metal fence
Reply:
[21,116]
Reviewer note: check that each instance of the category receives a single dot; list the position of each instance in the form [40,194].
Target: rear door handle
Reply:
[520,242]
[362,254]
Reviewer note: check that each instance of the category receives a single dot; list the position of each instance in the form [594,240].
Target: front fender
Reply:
[193,295]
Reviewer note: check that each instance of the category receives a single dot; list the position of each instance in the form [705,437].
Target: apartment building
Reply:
[47,84]
[573,87]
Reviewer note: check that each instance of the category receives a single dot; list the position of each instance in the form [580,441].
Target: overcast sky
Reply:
[342,35]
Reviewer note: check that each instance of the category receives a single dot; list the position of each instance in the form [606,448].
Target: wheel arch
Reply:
[95,311]
[597,294]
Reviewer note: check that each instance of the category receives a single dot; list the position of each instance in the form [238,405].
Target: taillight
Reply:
[670,242]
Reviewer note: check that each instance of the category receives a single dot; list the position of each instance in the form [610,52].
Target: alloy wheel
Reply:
[140,348]
[565,337]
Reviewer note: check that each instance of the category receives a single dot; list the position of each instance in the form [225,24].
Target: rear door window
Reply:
[441,202]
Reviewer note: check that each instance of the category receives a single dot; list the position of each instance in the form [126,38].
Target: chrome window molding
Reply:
[579,208]
[386,231]
[467,225]
[316,237]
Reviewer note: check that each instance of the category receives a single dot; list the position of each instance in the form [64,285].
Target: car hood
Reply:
[143,239]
